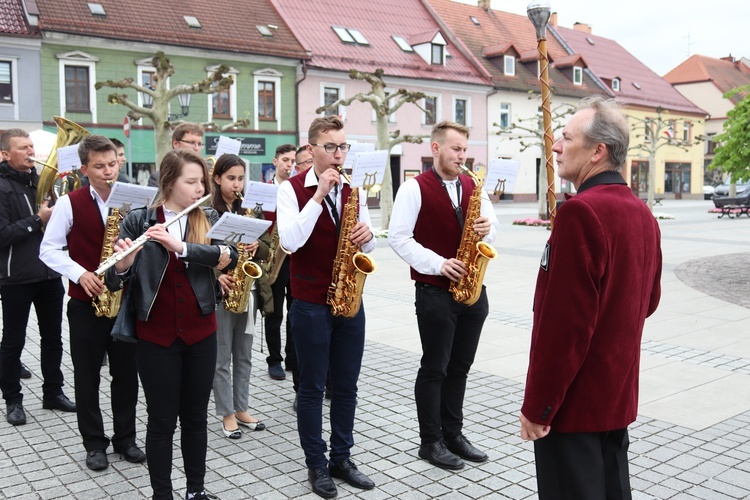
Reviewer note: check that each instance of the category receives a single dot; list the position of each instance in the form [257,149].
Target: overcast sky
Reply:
[660,33]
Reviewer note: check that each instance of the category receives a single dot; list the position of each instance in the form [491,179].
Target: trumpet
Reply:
[142,239]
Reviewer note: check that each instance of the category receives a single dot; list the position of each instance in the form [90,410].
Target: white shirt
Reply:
[176,230]
[406,209]
[296,224]
[56,238]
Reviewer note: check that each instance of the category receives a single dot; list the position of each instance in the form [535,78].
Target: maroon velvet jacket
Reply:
[599,280]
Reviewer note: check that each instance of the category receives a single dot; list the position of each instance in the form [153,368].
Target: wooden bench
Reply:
[734,211]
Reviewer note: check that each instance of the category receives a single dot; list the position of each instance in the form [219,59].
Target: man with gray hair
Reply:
[598,280]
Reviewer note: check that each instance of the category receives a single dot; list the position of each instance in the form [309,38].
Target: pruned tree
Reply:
[158,112]
[655,134]
[732,153]
[385,103]
[529,132]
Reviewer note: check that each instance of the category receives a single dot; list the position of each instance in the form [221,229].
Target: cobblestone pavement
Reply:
[727,278]
[45,459]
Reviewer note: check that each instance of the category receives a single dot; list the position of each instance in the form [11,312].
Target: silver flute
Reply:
[142,239]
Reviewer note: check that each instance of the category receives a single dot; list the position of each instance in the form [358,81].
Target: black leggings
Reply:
[177,382]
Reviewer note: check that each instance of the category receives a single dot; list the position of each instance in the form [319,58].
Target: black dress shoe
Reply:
[347,471]
[25,372]
[16,415]
[131,453]
[437,454]
[97,460]
[322,484]
[60,402]
[464,449]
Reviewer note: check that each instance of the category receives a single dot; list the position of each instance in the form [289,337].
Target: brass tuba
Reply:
[68,134]
[473,252]
[244,274]
[350,267]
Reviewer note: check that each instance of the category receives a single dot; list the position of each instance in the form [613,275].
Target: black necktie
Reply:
[332,204]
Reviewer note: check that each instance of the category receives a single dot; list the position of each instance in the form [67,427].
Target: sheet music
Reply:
[260,192]
[502,169]
[129,196]
[357,147]
[369,168]
[227,145]
[238,228]
[67,159]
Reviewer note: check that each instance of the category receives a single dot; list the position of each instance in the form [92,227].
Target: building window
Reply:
[148,79]
[6,83]
[460,111]
[616,84]
[437,54]
[710,144]
[648,130]
[509,65]
[504,114]
[577,75]
[687,132]
[266,100]
[431,111]
[221,105]
[330,95]
[77,89]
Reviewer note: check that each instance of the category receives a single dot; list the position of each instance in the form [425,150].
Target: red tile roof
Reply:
[13,21]
[497,30]
[226,25]
[725,74]
[607,59]
[378,21]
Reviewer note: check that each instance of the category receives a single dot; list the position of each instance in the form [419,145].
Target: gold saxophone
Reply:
[473,252]
[107,304]
[277,255]
[350,267]
[244,274]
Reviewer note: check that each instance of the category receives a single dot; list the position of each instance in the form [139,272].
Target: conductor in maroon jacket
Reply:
[598,281]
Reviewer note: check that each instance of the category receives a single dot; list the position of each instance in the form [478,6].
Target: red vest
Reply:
[312,264]
[437,226]
[175,313]
[86,236]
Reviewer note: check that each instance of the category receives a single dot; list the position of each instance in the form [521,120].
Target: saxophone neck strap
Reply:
[456,207]
[332,204]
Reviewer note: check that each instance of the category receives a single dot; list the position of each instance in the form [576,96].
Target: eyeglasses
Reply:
[307,162]
[331,148]
[192,143]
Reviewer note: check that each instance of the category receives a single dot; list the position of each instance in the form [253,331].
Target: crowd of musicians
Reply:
[191,343]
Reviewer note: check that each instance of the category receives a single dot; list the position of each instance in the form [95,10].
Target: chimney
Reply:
[585,28]
[728,58]
[484,4]
[553,20]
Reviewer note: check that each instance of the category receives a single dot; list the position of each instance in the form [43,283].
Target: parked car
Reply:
[721,194]
[708,191]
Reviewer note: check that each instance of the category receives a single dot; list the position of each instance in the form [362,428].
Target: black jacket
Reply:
[20,229]
[151,263]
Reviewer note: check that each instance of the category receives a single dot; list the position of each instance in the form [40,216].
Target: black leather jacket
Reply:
[151,263]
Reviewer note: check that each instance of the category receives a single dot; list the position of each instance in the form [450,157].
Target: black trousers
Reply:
[89,339]
[47,297]
[177,382]
[583,466]
[449,332]
[281,293]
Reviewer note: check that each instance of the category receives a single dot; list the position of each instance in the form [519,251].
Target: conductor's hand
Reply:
[453,269]
[126,262]
[326,181]
[161,234]
[482,226]
[361,233]
[226,282]
[91,284]
[531,431]
[45,211]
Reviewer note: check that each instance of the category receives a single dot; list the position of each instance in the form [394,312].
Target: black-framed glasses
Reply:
[307,162]
[331,148]
[192,143]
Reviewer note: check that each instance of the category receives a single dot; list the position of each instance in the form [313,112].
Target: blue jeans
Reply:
[324,341]
[47,297]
